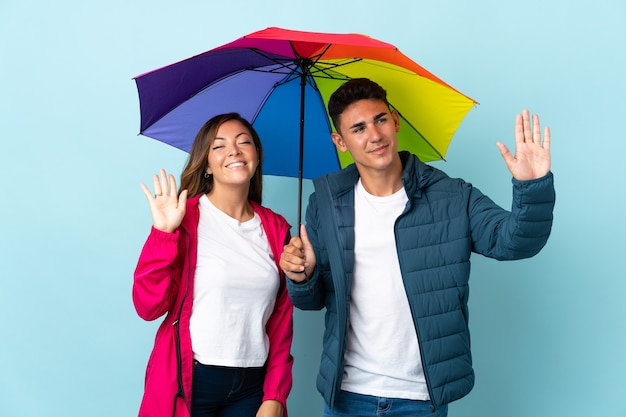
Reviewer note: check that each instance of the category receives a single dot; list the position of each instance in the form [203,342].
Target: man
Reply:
[386,250]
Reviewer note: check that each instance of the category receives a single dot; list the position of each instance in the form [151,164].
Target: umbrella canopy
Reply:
[281,80]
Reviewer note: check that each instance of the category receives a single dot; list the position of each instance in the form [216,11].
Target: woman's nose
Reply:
[234,150]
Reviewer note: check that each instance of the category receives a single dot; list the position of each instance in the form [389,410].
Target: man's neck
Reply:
[382,183]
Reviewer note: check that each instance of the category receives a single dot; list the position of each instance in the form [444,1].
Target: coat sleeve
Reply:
[279,379]
[519,233]
[157,275]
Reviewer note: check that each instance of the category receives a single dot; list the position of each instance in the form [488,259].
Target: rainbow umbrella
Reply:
[280,80]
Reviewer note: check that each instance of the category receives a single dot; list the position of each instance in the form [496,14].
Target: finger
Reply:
[546,138]
[536,130]
[172,186]
[163,182]
[296,276]
[527,127]
[292,253]
[291,263]
[157,185]
[147,192]
[519,129]
[295,244]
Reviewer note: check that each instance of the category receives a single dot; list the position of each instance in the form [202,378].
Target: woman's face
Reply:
[233,157]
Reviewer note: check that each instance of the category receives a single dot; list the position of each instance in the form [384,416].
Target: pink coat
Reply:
[164,284]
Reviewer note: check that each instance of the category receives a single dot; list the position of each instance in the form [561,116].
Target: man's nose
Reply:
[375,132]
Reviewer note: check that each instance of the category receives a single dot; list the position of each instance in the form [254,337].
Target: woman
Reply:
[211,263]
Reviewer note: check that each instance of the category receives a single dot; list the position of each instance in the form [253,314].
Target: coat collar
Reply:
[415,176]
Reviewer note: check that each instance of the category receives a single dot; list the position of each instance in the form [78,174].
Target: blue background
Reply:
[549,333]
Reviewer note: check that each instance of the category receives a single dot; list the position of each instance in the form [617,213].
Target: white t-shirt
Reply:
[235,286]
[382,357]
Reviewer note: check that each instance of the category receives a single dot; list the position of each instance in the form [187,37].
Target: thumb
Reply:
[147,192]
[305,237]
[182,199]
[506,155]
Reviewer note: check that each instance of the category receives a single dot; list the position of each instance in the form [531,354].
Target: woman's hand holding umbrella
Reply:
[532,154]
[166,207]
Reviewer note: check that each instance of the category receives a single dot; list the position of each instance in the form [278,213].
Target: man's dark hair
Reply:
[351,91]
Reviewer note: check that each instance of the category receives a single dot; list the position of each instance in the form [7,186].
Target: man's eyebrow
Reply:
[358,124]
[380,115]
[377,117]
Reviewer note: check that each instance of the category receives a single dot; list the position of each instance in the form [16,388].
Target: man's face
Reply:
[368,130]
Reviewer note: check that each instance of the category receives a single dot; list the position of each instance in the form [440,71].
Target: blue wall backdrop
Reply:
[549,333]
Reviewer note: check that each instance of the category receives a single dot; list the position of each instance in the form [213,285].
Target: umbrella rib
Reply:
[419,133]
[319,66]
[328,66]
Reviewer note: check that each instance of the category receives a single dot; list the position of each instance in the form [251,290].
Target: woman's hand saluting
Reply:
[166,207]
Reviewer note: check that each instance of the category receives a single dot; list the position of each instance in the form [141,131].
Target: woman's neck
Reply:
[234,204]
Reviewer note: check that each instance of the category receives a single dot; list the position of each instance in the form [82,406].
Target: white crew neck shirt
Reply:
[235,287]
[382,356]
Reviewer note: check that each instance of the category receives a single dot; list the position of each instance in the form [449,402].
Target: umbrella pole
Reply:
[301,155]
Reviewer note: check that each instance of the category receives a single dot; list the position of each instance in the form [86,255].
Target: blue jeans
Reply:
[349,404]
[219,391]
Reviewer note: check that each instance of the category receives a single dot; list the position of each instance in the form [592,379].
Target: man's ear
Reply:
[396,119]
[338,141]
